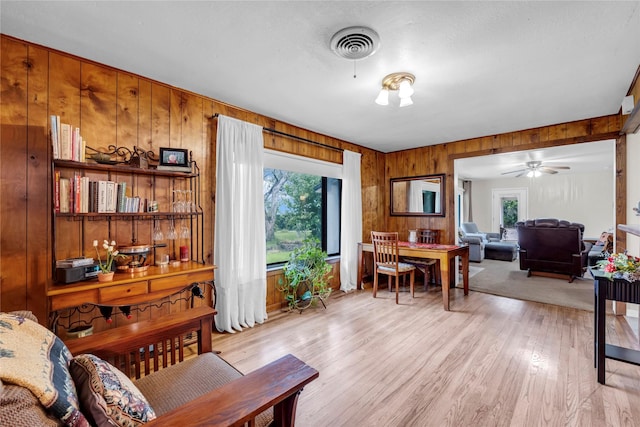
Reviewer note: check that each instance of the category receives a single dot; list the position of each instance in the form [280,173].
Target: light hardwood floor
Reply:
[491,361]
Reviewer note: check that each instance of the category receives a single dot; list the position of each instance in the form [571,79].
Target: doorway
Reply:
[509,205]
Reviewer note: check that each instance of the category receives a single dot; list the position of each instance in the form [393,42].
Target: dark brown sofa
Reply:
[552,246]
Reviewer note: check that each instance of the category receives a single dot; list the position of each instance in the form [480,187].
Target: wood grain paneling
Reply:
[113,106]
[13,180]
[39,204]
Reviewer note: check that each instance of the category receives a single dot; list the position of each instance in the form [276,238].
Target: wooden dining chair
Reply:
[428,267]
[386,261]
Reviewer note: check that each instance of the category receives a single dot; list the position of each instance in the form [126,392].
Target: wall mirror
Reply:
[418,195]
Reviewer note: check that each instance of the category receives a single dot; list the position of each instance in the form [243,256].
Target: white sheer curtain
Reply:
[351,220]
[415,196]
[239,244]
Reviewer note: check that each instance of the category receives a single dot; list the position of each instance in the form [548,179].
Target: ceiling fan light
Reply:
[383,97]
[404,102]
[530,174]
[536,173]
[406,90]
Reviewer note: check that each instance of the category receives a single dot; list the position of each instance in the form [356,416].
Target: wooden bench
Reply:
[158,345]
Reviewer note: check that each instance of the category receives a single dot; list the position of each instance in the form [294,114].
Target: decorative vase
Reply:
[105,277]
[413,237]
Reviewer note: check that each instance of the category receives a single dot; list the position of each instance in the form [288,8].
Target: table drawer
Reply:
[113,293]
[179,281]
[75,299]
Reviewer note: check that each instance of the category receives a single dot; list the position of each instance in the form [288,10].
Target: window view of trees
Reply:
[509,212]
[293,205]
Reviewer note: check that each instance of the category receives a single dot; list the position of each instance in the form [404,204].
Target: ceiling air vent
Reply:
[355,43]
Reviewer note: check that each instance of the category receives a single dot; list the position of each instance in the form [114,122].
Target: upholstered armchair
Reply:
[476,240]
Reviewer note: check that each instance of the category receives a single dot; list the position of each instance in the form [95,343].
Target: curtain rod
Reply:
[299,138]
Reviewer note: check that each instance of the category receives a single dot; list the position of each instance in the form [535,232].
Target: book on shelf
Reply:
[55,136]
[121,196]
[56,191]
[111,197]
[84,194]
[65,141]
[102,196]
[77,193]
[65,192]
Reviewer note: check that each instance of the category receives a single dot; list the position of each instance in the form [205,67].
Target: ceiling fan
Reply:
[535,168]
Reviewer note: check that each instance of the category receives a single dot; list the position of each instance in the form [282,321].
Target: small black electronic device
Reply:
[76,274]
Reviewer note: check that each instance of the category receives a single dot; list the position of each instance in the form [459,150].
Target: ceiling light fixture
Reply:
[403,83]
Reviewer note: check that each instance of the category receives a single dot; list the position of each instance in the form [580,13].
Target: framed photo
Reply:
[176,159]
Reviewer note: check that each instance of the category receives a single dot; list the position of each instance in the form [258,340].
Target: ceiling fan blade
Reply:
[521,173]
[545,169]
[557,167]
[519,170]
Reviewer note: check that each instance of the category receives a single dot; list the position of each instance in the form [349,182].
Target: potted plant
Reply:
[306,276]
[106,267]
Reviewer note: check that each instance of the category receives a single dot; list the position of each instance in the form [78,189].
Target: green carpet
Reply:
[505,278]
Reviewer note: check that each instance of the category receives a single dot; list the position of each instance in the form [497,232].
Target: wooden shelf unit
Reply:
[73,232]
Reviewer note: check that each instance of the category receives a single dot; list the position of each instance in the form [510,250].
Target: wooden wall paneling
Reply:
[193,139]
[64,88]
[175,140]
[127,116]
[160,130]
[579,128]
[273,295]
[39,200]
[70,75]
[208,180]
[144,141]
[64,101]
[621,191]
[558,131]
[127,110]
[99,128]
[160,112]
[600,125]
[505,140]
[160,137]
[175,118]
[13,191]
[145,119]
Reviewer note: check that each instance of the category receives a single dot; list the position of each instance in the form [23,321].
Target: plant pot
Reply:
[105,277]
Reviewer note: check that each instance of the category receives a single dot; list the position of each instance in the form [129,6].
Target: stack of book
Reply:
[80,194]
[66,141]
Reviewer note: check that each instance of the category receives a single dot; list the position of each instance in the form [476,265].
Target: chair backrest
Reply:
[550,239]
[385,248]
[427,236]
[469,227]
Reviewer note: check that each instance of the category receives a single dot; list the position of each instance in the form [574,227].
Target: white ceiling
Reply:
[481,68]
[586,158]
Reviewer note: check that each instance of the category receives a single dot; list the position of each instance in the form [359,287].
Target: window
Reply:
[300,201]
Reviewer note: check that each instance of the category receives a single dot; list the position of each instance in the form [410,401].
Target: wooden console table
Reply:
[615,290]
[443,253]
[127,289]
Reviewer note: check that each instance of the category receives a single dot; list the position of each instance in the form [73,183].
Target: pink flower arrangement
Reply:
[627,265]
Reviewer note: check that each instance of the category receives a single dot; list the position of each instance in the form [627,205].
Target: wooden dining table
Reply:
[443,253]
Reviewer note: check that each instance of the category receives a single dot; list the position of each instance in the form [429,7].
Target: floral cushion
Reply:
[107,396]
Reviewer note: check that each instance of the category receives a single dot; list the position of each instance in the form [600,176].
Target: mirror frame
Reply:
[441,176]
